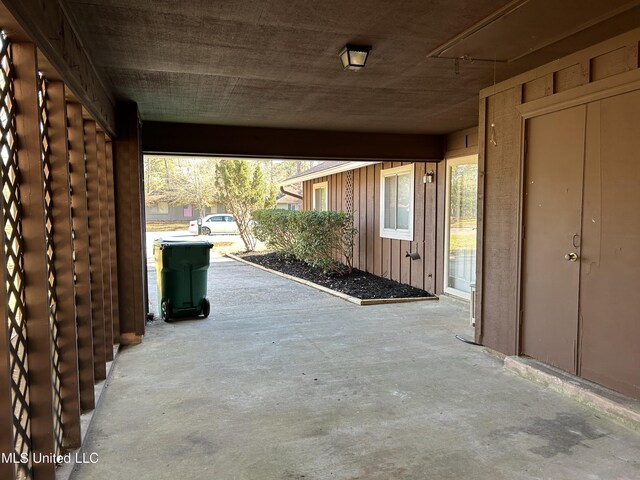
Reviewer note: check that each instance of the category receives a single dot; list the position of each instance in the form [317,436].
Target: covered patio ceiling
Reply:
[274,63]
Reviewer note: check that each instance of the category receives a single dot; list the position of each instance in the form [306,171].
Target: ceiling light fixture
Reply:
[354,57]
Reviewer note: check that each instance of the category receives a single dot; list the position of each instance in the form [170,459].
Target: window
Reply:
[460,228]
[216,219]
[396,203]
[321,196]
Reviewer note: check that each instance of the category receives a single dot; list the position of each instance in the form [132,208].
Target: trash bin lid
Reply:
[162,243]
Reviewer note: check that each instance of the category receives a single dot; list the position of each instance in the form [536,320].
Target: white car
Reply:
[219,223]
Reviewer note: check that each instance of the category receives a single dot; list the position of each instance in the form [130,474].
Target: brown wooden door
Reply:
[552,229]
[610,279]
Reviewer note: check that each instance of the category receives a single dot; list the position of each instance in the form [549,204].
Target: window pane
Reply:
[390,201]
[463,186]
[404,200]
[320,198]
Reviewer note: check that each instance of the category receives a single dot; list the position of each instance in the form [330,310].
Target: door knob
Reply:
[571,257]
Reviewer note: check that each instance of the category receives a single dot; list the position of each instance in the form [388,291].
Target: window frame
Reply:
[397,234]
[319,186]
[453,162]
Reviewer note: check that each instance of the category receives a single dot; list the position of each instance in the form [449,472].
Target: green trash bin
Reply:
[181,276]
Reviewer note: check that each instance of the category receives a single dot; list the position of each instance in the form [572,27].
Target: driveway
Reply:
[285,382]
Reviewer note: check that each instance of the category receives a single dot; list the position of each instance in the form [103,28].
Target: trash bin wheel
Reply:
[206,308]
[166,310]
[205,231]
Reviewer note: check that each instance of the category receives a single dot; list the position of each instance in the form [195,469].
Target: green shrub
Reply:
[321,239]
[276,229]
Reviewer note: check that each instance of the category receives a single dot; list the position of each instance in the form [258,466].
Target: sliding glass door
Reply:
[461,223]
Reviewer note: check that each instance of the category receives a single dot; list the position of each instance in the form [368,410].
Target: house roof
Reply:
[288,199]
[324,169]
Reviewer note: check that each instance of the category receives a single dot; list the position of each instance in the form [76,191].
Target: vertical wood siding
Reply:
[383,256]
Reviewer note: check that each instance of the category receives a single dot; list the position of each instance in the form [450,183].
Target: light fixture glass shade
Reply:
[354,57]
[344,58]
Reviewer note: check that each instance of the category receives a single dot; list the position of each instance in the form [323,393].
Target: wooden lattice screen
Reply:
[13,251]
[348,192]
[47,360]
[51,273]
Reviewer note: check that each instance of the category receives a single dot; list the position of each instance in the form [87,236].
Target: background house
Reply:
[164,211]
[289,202]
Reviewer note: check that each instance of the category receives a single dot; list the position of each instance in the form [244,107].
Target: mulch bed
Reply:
[358,284]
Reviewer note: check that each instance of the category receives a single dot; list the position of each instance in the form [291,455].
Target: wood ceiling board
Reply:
[274,63]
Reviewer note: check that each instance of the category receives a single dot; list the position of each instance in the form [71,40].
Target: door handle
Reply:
[571,257]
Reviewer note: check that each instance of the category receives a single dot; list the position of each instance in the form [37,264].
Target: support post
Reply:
[104,244]
[80,217]
[130,225]
[62,228]
[35,257]
[112,243]
[95,252]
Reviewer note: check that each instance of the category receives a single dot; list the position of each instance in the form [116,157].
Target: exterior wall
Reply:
[383,256]
[603,66]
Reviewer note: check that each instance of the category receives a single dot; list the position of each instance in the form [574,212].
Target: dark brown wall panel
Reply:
[35,265]
[95,251]
[363,219]
[286,143]
[105,244]
[130,244]
[77,169]
[65,288]
[48,25]
[417,266]
[383,256]
[499,172]
[432,208]
[609,300]
[501,229]
[112,244]
[609,64]
[377,240]
[370,227]
[441,177]
[570,77]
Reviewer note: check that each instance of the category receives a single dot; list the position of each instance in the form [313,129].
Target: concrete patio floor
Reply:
[285,382]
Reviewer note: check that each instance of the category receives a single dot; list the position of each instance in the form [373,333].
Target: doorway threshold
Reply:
[615,406]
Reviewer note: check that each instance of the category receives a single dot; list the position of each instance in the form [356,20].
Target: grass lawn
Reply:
[166,226]
[462,240]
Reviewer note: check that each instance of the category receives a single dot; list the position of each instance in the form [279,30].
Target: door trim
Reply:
[591,92]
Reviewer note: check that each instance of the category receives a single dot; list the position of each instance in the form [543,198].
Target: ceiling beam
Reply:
[255,142]
[47,25]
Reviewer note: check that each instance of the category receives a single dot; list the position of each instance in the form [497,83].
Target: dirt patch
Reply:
[358,284]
